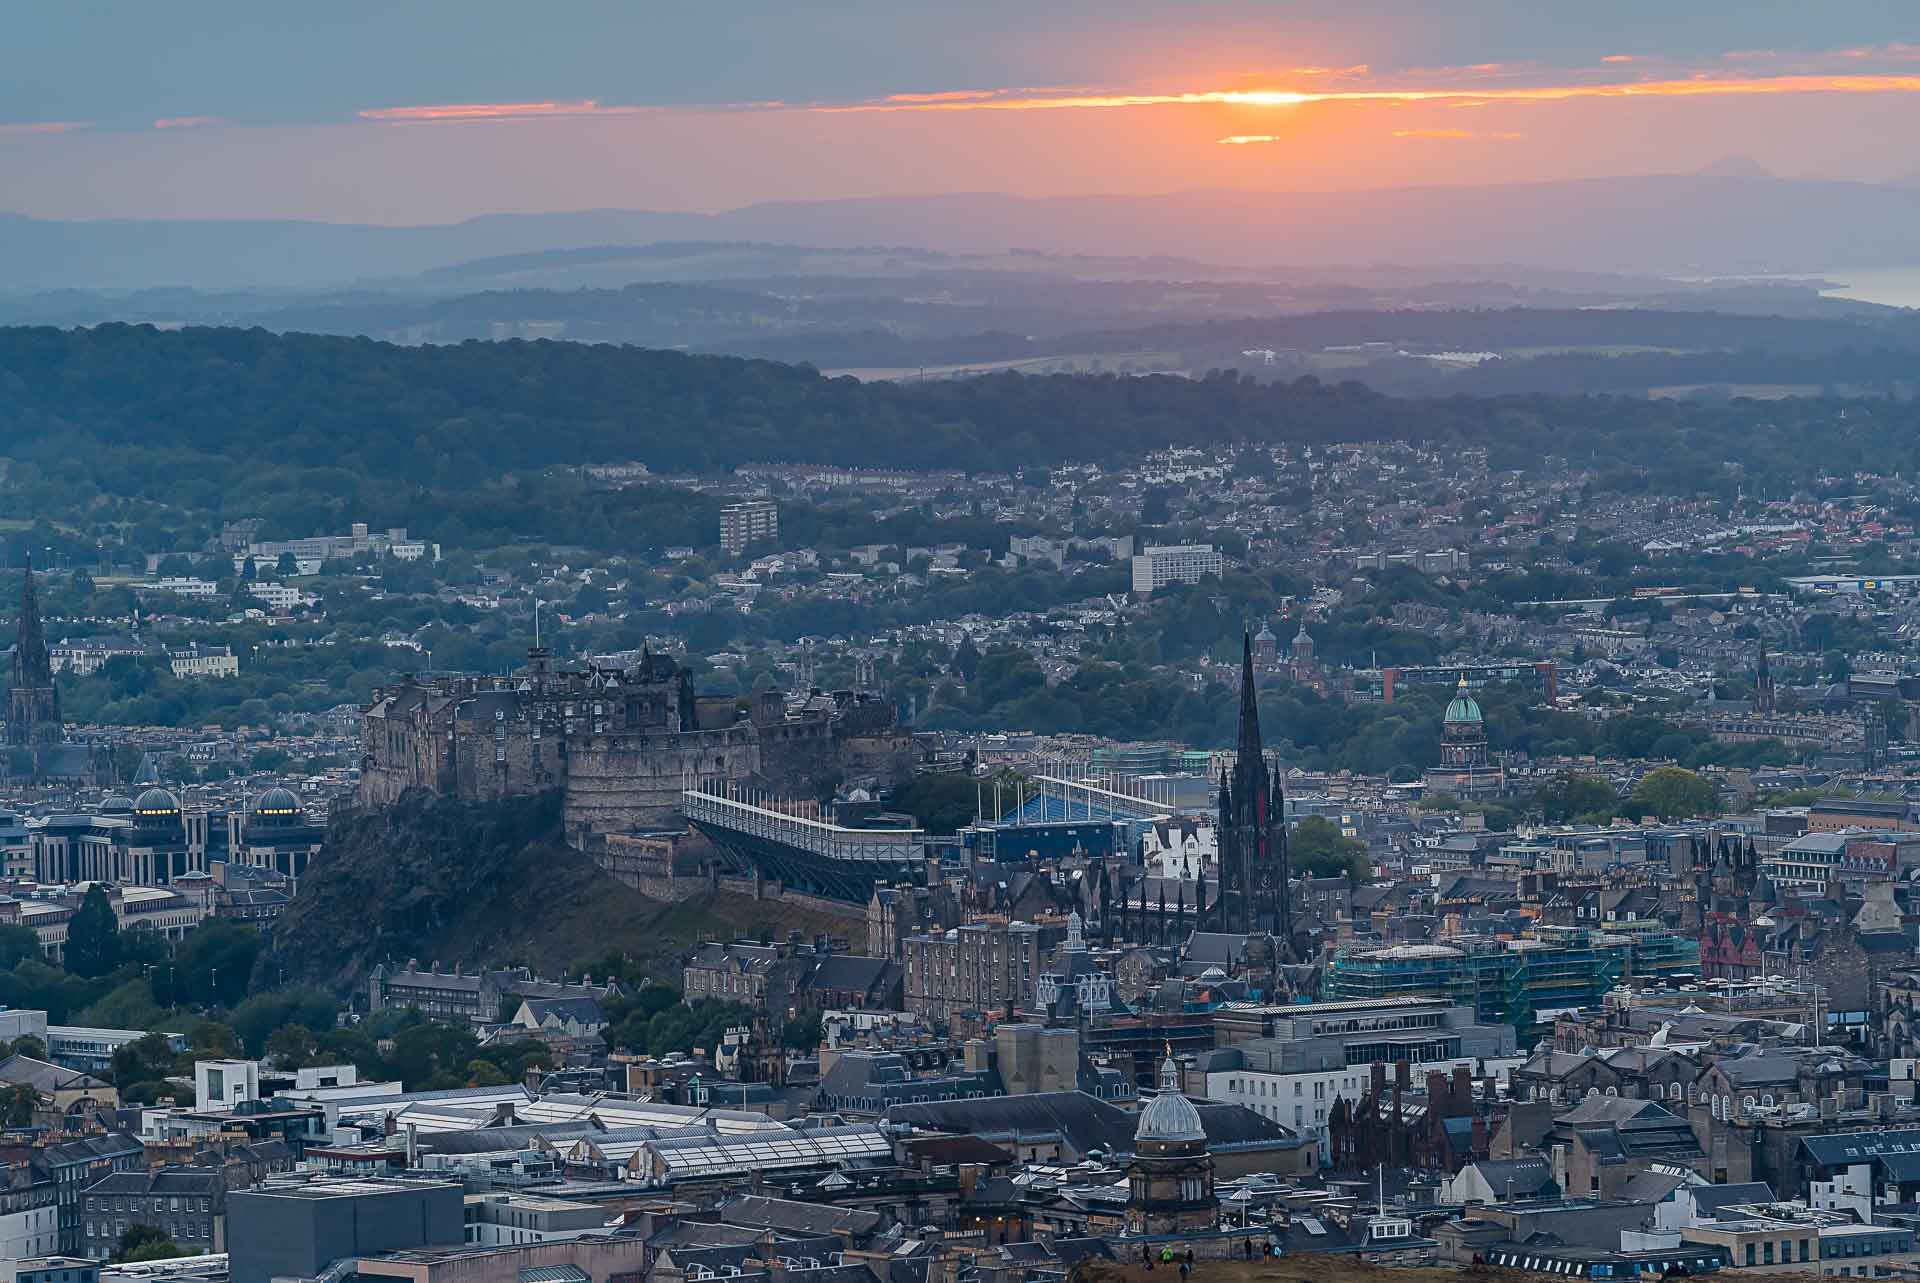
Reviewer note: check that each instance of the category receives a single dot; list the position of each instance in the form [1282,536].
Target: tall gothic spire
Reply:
[31,666]
[1250,747]
[1253,831]
[33,704]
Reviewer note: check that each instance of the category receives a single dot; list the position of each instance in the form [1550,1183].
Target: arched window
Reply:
[1593,1091]
[1613,1091]
[1767,1099]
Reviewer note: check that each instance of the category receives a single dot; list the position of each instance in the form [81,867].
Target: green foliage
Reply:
[145,1243]
[1316,847]
[213,965]
[944,801]
[804,1032]
[17,945]
[17,1104]
[213,1039]
[292,1046]
[1575,797]
[93,935]
[28,1045]
[140,1069]
[1674,793]
[678,1027]
[256,1019]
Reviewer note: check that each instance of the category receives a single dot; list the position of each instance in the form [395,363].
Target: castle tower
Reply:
[33,705]
[1254,876]
[1762,684]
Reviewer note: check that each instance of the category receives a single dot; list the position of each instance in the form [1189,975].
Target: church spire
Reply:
[31,666]
[33,705]
[1250,746]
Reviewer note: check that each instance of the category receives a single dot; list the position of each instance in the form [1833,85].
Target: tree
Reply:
[287,565]
[1574,797]
[804,1032]
[17,1103]
[141,1068]
[211,1038]
[145,1243]
[93,935]
[1674,793]
[291,1046]
[213,964]
[484,1073]
[32,1046]
[256,1019]
[1316,847]
[966,658]
[17,945]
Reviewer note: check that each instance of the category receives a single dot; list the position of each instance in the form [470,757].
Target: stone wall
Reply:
[679,866]
[629,783]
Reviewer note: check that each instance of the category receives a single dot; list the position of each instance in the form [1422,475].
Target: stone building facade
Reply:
[621,743]
[982,966]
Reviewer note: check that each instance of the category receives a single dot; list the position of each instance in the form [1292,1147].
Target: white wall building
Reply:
[1157,565]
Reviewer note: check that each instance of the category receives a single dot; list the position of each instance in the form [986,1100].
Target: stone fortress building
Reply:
[621,744]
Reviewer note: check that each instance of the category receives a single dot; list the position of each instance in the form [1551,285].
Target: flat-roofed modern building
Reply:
[296,1229]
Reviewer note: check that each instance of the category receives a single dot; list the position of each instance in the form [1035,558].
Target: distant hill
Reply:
[473,885]
[1728,220]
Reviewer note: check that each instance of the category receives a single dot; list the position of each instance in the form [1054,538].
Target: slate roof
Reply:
[809,1219]
[46,1078]
[198,1181]
[1709,1199]
[582,1010]
[1085,1122]
[1524,1176]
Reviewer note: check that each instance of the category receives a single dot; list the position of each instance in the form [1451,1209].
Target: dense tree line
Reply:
[202,418]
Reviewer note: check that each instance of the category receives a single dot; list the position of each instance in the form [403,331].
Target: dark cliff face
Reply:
[428,878]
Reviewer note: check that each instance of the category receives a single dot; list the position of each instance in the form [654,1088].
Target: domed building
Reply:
[276,835]
[155,840]
[1266,651]
[1170,1180]
[1465,767]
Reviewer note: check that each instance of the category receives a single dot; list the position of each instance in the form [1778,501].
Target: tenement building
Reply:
[622,744]
[982,966]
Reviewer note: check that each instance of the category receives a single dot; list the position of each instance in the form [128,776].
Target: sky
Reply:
[429,112]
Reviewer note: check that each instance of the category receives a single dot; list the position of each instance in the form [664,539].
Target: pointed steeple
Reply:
[33,705]
[31,666]
[1250,747]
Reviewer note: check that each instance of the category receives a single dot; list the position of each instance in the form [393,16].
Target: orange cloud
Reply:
[1625,57]
[1697,87]
[43,127]
[1241,140]
[499,111]
[185,122]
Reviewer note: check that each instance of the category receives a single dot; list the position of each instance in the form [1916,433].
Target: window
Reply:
[1750,1255]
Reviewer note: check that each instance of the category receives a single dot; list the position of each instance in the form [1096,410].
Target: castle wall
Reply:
[505,759]
[798,757]
[623,783]
[397,754]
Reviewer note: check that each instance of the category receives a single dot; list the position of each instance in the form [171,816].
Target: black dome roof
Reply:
[278,802]
[156,801]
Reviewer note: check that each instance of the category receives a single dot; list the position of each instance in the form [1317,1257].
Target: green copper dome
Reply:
[1463,708]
